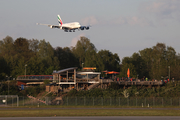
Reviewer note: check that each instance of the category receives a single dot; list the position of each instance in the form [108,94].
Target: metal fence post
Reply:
[119,101]
[127,102]
[153,101]
[110,101]
[17,101]
[47,100]
[6,100]
[84,101]
[23,100]
[76,100]
[102,101]
[136,101]
[162,101]
[12,100]
[67,101]
[93,101]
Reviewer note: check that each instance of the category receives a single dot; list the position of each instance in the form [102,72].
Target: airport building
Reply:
[69,78]
[65,79]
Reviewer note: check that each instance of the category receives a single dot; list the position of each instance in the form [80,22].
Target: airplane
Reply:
[67,27]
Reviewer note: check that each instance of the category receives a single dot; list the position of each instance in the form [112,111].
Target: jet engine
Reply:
[82,28]
[87,28]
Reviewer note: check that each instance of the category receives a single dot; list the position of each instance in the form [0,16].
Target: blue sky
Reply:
[121,26]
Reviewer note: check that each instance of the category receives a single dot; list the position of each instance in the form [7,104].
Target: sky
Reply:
[120,26]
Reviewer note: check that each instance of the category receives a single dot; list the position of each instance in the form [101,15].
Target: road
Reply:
[25,108]
[96,118]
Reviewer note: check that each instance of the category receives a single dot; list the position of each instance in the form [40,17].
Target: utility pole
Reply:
[82,65]
[169,72]
[8,83]
[8,87]
[25,70]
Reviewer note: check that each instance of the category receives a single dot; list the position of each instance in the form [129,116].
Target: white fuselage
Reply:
[73,25]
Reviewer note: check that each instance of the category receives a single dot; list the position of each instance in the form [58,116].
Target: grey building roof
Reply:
[64,70]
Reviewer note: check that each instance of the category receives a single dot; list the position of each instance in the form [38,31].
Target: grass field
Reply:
[43,112]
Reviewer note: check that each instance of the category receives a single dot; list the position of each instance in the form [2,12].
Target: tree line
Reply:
[38,57]
[158,62]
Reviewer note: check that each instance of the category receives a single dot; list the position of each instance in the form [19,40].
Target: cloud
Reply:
[134,20]
[162,9]
[75,39]
[91,20]
[151,13]
[123,20]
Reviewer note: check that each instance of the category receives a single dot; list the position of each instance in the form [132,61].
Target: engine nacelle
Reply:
[87,28]
[82,28]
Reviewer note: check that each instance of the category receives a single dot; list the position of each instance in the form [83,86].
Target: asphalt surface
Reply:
[26,108]
[96,118]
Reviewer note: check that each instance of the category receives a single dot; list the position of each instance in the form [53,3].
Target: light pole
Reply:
[162,78]
[8,83]
[137,76]
[8,87]
[169,72]
[25,70]
[82,65]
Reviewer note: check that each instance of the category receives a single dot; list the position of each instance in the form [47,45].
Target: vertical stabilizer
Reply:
[59,20]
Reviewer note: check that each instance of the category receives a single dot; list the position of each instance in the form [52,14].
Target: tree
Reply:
[110,61]
[171,61]
[131,67]
[46,56]
[21,46]
[35,66]
[159,55]
[7,51]
[7,46]
[139,64]
[34,46]
[83,49]
[155,61]
[66,57]
[147,60]
[3,68]
[90,58]
[45,50]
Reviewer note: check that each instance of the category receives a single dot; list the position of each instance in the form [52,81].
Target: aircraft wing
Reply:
[51,26]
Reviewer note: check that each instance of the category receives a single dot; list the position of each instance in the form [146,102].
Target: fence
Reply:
[118,101]
[91,101]
[9,100]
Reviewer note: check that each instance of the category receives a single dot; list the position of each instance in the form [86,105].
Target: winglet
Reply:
[59,19]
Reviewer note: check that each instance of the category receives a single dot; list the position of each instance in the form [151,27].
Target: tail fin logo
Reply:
[59,20]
